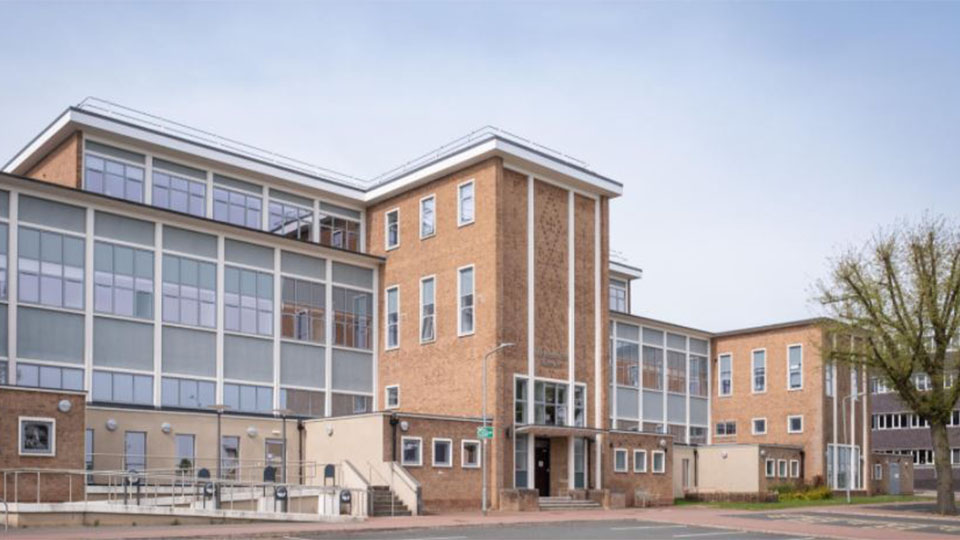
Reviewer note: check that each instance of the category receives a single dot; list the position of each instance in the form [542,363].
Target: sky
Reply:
[754,140]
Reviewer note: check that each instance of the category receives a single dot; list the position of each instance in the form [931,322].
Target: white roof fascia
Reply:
[37,143]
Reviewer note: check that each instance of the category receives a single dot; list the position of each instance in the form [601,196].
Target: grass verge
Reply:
[834,501]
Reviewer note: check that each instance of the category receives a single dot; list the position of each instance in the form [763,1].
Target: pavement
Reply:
[676,522]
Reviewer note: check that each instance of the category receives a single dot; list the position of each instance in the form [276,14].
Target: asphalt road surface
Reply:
[940,527]
[600,530]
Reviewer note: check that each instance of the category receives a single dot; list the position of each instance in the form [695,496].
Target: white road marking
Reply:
[715,533]
[648,527]
[437,538]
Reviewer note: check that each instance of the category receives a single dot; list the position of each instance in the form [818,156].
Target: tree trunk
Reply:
[941,454]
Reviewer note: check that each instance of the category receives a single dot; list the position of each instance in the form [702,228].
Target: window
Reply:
[179,194]
[362,404]
[247,301]
[759,371]
[290,220]
[351,318]
[465,301]
[550,403]
[628,362]
[302,310]
[123,281]
[392,324]
[794,468]
[618,296]
[640,461]
[579,405]
[520,401]
[135,451]
[782,468]
[676,372]
[392,396]
[442,453]
[652,368]
[465,204]
[920,380]
[469,454]
[38,436]
[698,375]
[113,178]
[88,453]
[795,424]
[428,216]
[4,249]
[248,398]
[520,461]
[795,367]
[187,393]
[411,451]
[427,310]
[237,208]
[339,232]
[620,460]
[877,471]
[302,402]
[186,452]
[759,426]
[59,378]
[828,378]
[116,387]
[392,229]
[229,456]
[726,429]
[659,458]
[189,291]
[725,380]
[579,463]
[50,268]
[770,467]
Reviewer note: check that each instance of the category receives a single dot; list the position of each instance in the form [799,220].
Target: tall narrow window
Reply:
[520,401]
[229,456]
[760,371]
[652,368]
[428,216]
[351,318]
[392,229]
[50,268]
[248,301]
[465,301]
[302,313]
[393,317]
[186,452]
[4,250]
[135,451]
[427,308]
[465,203]
[795,367]
[123,280]
[618,296]
[725,378]
[828,378]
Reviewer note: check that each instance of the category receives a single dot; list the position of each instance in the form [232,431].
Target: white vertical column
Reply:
[686,393]
[208,201]
[571,330]
[531,330]
[220,325]
[835,454]
[599,336]
[12,294]
[148,181]
[328,350]
[375,341]
[315,231]
[157,313]
[88,304]
[277,309]
[363,231]
[663,374]
[265,209]
[865,437]
[710,387]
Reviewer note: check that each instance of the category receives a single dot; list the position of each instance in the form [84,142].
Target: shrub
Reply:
[807,494]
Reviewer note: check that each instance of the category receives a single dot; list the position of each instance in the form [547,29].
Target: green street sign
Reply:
[485,432]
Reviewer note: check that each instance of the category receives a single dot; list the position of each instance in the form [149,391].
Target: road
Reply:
[600,530]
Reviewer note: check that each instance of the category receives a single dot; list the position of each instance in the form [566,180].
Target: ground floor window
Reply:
[659,462]
[579,467]
[770,469]
[443,453]
[520,461]
[794,468]
[470,454]
[412,454]
[620,460]
[38,436]
[640,461]
[843,476]
[229,457]
[135,451]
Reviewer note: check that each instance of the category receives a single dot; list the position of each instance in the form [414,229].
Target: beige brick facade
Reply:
[63,165]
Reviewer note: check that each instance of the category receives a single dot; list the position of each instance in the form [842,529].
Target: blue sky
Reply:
[754,140]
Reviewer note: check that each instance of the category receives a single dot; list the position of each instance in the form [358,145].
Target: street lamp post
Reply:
[483,445]
[219,407]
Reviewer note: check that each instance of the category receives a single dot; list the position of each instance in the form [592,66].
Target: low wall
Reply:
[519,500]
[719,496]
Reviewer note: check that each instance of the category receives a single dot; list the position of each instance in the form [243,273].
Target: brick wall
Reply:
[658,486]
[63,165]
[69,448]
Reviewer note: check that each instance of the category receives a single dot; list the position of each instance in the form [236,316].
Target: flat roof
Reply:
[776,326]
[663,324]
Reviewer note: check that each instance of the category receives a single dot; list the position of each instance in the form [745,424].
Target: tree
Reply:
[901,295]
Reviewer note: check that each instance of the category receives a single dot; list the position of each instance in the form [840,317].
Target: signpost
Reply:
[485,432]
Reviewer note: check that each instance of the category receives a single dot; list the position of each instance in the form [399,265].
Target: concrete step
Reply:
[567,503]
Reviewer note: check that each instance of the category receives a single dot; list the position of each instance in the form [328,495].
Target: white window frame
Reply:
[434,279]
[829,379]
[386,229]
[53,436]
[753,368]
[626,462]
[770,468]
[433,233]
[386,397]
[720,358]
[790,346]
[782,468]
[753,426]
[663,462]
[794,468]
[463,454]
[639,465]
[433,452]
[460,332]
[877,471]
[419,462]
[460,221]
[791,417]
[387,346]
